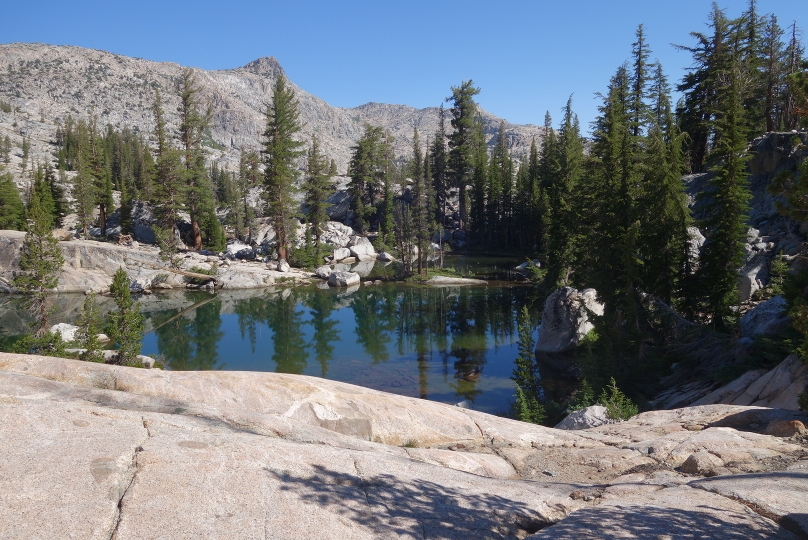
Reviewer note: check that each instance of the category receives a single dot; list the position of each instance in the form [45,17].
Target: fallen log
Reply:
[203,277]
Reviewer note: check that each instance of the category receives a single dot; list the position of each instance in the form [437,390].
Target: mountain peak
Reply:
[267,66]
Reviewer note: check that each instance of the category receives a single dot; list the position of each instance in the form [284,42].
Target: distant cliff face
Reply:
[48,83]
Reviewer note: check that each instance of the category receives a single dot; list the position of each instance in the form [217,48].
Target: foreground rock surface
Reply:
[98,451]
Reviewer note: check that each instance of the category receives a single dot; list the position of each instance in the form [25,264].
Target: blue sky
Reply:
[526,56]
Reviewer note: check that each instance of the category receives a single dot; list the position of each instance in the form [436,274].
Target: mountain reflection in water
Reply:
[444,344]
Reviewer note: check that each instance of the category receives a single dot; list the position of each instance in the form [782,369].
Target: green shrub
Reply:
[618,405]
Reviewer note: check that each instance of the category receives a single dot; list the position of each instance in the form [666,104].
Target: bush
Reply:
[618,405]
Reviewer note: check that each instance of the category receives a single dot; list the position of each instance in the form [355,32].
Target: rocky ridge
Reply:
[47,83]
[152,454]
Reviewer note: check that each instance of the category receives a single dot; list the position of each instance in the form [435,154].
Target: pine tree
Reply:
[197,192]
[89,326]
[367,170]
[387,224]
[126,322]
[26,148]
[42,193]
[40,265]
[12,211]
[281,152]
[166,198]
[727,205]
[439,163]
[561,192]
[462,141]
[5,150]
[316,187]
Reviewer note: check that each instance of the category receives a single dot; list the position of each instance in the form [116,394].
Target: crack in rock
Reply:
[134,468]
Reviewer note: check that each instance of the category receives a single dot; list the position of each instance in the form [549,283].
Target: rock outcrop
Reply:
[97,451]
[90,265]
[565,320]
[779,387]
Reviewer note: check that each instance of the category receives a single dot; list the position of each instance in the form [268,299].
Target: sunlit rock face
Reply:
[98,451]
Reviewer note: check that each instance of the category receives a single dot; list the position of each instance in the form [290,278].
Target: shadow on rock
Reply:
[423,509]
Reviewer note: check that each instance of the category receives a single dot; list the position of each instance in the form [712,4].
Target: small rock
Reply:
[785,428]
[147,361]
[549,473]
[465,404]
[283,266]
[701,463]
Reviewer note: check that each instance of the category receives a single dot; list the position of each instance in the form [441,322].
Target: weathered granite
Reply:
[98,451]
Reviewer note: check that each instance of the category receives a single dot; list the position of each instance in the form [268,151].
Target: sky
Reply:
[526,56]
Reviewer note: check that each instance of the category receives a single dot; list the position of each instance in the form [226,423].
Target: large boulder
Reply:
[588,417]
[565,321]
[361,248]
[323,272]
[341,253]
[336,234]
[769,317]
[343,279]
[752,276]
[66,331]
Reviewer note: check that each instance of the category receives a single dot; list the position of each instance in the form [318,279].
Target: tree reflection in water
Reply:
[190,342]
[446,336]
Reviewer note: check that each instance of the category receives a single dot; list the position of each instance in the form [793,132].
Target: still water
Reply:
[443,344]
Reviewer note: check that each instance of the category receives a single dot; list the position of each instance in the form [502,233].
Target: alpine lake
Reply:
[447,344]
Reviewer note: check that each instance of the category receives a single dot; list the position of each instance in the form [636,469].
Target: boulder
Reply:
[385,257]
[565,320]
[769,317]
[701,463]
[336,234]
[361,248]
[340,205]
[752,275]
[588,417]
[341,253]
[283,266]
[66,331]
[343,279]
[240,250]
[695,242]
[323,272]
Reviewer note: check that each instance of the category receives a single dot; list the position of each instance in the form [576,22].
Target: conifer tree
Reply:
[280,153]
[367,170]
[561,192]
[40,265]
[438,159]
[12,211]
[89,326]
[316,187]
[26,148]
[462,141]
[125,322]
[42,192]
[168,184]
[197,192]
[5,150]
[727,205]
